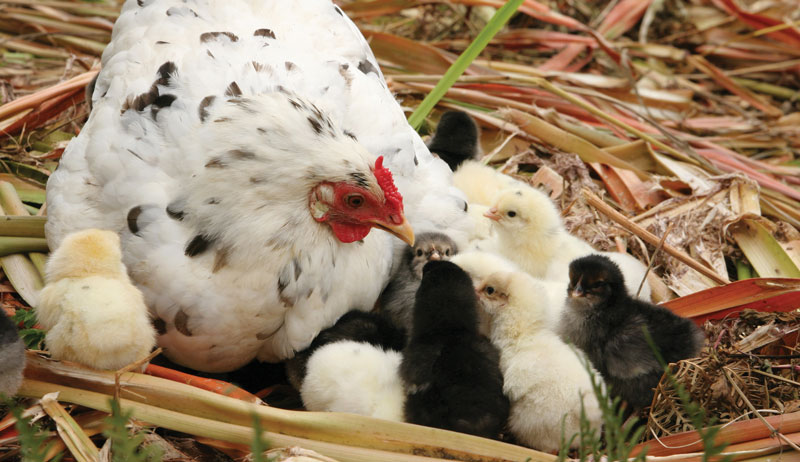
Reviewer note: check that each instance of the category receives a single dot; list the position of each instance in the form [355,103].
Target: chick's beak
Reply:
[402,231]
[492,214]
[577,291]
[435,256]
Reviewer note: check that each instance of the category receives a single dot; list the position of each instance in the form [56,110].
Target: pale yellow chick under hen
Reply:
[91,311]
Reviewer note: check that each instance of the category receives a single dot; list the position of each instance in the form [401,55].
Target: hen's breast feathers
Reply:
[175,77]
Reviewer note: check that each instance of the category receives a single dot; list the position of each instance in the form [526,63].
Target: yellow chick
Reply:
[545,380]
[91,311]
[483,225]
[480,265]
[529,232]
[481,183]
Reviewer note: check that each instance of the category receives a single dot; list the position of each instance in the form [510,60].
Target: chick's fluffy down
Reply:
[97,321]
[354,377]
[481,183]
[545,379]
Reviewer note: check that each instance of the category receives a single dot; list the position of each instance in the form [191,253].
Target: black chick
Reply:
[397,300]
[358,326]
[12,357]
[451,373]
[604,321]
[456,139]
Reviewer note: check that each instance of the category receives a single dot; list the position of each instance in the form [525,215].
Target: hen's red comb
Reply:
[386,182]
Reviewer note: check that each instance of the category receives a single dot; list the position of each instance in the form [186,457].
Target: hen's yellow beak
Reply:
[403,231]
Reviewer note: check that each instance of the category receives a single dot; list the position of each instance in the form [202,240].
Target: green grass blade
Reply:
[461,64]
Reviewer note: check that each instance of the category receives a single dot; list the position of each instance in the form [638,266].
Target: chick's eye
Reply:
[419,252]
[594,288]
[490,290]
[354,201]
[512,213]
[447,252]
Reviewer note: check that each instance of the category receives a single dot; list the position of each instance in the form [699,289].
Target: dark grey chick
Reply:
[358,326]
[604,321]
[456,139]
[397,300]
[450,372]
[12,357]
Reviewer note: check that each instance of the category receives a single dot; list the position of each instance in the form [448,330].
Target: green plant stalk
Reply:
[461,64]
[73,436]
[127,447]
[768,88]
[334,428]
[214,428]
[10,201]
[22,226]
[743,270]
[11,245]
[32,440]
[39,261]
[258,446]
[763,252]
[22,274]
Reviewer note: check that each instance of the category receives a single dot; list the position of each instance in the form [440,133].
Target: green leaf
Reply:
[126,447]
[474,49]
[32,440]
[33,337]
[259,445]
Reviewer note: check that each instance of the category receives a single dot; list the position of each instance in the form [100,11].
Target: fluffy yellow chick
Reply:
[480,265]
[483,225]
[91,311]
[481,183]
[545,380]
[529,232]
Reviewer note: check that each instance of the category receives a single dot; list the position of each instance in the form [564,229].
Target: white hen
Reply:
[233,147]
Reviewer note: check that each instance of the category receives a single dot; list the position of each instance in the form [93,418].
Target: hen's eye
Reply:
[512,213]
[419,252]
[355,201]
[490,290]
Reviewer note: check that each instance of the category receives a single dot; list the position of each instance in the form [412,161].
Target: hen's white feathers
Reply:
[211,122]
[91,311]
[354,377]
